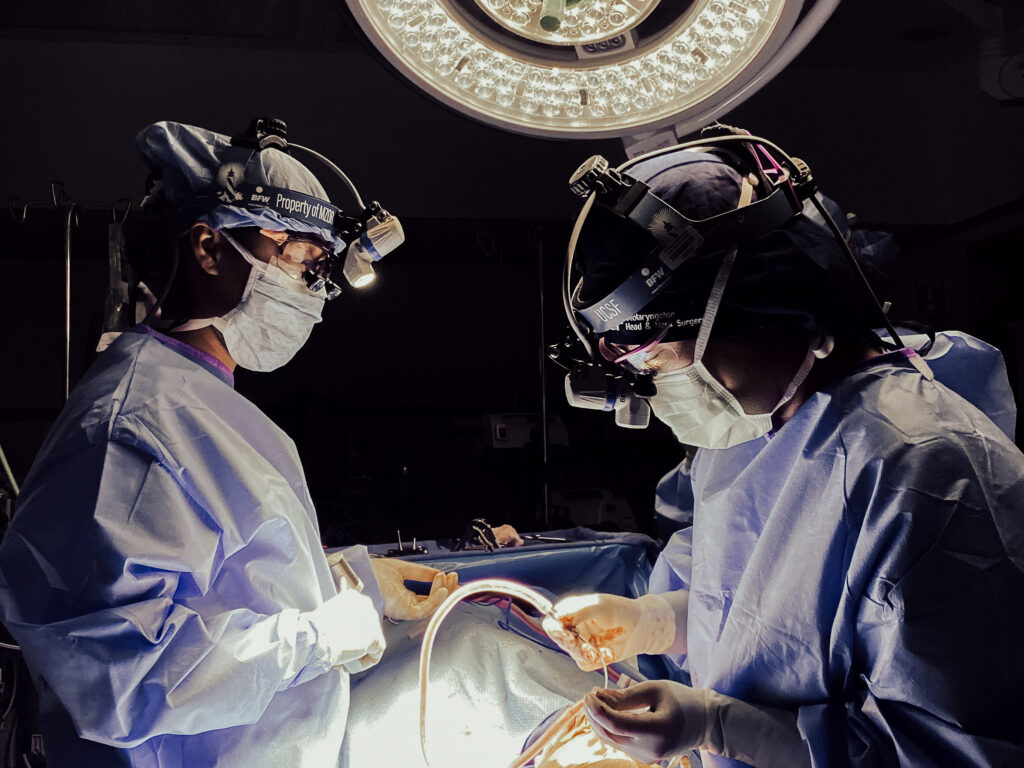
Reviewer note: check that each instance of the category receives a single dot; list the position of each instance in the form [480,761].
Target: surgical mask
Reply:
[699,408]
[273,319]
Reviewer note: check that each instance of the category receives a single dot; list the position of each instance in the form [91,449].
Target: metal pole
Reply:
[7,472]
[67,300]
[543,380]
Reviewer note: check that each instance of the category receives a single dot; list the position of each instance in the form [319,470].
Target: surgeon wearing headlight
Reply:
[164,574]
[848,589]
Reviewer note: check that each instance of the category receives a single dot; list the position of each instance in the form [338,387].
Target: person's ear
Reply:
[205,246]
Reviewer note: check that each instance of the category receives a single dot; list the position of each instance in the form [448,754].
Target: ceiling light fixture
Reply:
[590,68]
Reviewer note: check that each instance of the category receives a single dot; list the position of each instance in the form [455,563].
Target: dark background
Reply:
[418,404]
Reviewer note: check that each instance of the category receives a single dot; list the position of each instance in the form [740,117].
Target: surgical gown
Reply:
[165,579]
[864,567]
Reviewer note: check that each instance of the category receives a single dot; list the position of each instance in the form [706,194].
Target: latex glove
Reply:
[507,536]
[618,627]
[662,719]
[399,601]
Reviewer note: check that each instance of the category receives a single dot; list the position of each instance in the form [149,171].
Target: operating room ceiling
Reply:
[880,104]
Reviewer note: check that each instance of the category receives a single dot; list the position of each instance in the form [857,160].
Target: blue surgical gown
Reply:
[165,579]
[864,567]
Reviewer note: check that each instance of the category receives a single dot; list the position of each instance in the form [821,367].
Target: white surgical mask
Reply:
[699,408]
[271,322]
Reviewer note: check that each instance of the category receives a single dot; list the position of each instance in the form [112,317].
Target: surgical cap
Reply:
[200,174]
[796,274]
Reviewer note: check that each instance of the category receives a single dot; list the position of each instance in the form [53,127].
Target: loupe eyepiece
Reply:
[313,281]
[592,388]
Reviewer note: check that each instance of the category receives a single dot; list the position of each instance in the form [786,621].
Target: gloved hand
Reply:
[650,721]
[365,661]
[619,627]
[400,602]
[662,719]
[507,536]
[348,630]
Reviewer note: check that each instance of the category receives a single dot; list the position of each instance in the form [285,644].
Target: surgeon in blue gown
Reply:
[163,573]
[850,591]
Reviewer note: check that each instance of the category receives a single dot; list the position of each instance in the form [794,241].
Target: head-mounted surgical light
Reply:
[590,68]
[597,380]
[370,235]
[381,234]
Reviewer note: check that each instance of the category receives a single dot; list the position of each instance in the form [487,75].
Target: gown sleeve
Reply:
[98,574]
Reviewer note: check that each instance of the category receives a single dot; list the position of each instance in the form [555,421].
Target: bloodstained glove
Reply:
[617,627]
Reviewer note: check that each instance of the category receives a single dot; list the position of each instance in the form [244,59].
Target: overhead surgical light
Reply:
[590,68]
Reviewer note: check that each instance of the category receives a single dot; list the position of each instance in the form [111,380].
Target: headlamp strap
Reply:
[642,286]
[287,202]
[660,219]
[680,239]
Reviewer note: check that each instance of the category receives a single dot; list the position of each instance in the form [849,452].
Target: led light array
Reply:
[588,21]
[705,50]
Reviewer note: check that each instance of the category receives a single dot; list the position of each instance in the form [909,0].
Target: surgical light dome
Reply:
[590,68]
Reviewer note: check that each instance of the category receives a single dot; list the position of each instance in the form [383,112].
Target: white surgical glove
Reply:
[399,601]
[365,661]
[349,632]
[617,627]
[662,719]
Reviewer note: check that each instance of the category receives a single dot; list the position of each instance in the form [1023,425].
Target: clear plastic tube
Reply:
[501,586]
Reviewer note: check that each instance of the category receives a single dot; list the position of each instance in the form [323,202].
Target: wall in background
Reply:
[395,400]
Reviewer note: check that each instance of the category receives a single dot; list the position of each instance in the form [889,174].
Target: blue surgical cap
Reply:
[797,273]
[202,177]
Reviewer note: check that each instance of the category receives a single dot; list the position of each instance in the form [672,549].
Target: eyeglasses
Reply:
[639,359]
[305,258]
[300,254]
